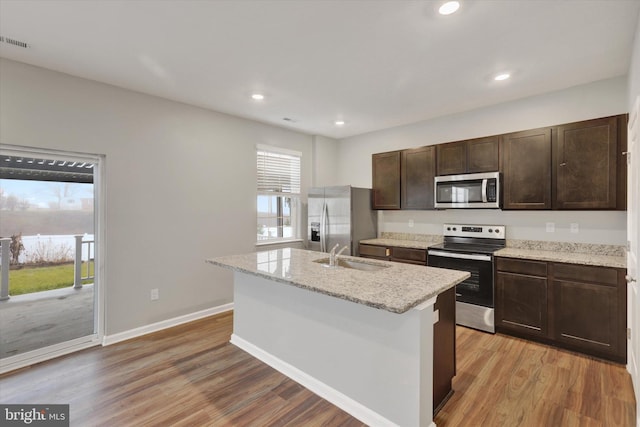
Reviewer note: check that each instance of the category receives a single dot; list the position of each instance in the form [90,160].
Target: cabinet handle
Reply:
[629,279]
[563,164]
[624,153]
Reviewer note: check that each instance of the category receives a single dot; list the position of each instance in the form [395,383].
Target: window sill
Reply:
[278,242]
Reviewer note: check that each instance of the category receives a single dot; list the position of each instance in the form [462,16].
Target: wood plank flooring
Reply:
[191,376]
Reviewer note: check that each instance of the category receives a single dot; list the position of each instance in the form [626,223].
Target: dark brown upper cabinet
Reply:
[575,166]
[417,173]
[470,156]
[585,164]
[386,180]
[452,158]
[404,179]
[526,169]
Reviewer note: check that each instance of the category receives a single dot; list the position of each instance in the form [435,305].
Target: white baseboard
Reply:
[326,392]
[12,363]
[164,324]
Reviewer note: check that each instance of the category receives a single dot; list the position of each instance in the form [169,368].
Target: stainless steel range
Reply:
[470,248]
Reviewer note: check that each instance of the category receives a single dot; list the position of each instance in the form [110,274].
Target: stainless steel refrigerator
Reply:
[340,215]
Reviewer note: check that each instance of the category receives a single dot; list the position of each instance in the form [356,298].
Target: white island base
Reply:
[373,364]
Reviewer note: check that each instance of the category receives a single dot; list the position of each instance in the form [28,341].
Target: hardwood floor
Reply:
[191,376]
[506,381]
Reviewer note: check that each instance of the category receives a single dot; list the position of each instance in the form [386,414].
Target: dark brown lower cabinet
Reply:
[444,331]
[578,307]
[374,251]
[444,348]
[409,255]
[589,309]
[521,296]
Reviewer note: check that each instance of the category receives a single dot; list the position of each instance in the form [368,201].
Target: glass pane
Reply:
[277,216]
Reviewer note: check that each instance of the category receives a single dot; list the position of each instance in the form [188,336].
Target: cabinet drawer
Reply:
[531,268]
[419,256]
[584,273]
[372,250]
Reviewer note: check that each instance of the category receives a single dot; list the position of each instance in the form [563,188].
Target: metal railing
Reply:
[78,277]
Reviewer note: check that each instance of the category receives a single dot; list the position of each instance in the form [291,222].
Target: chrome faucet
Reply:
[333,256]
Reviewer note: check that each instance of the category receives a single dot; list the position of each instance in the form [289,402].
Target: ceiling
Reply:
[374,64]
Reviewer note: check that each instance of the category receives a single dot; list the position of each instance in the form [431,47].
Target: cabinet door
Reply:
[418,171]
[526,169]
[451,158]
[483,155]
[386,180]
[585,161]
[589,309]
[586,316]
[521,303]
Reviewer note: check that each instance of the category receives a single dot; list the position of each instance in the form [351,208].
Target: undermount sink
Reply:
[349,263]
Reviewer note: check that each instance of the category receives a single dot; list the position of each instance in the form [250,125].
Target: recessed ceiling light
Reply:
[257,96]
[501,76]
[449,7]
[339,122]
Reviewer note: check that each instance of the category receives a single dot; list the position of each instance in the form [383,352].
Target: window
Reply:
[278,194]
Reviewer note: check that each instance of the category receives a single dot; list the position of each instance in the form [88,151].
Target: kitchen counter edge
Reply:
[397,288]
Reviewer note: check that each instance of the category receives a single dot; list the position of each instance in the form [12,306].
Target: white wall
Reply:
[598,99]
[180,184]
[634,69]
[325,162]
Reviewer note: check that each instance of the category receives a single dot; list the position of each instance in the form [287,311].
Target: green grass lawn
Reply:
[36,279]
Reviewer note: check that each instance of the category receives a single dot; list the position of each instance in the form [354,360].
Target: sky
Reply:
[41,193]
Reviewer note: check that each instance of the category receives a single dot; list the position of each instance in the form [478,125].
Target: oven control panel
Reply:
[474,230]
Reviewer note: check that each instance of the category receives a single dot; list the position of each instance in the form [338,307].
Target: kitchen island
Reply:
[360,336]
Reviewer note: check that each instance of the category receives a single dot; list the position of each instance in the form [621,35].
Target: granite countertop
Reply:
[567,252]
[565,257]
[396,288]
[405,240]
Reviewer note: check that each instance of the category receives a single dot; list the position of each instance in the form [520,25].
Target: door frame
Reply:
[633,257]
[99,186]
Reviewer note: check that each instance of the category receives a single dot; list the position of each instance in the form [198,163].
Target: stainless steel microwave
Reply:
[469,191]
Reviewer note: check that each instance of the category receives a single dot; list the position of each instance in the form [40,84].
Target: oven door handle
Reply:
[460,256]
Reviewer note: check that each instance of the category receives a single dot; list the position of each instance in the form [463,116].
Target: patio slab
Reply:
[32,321]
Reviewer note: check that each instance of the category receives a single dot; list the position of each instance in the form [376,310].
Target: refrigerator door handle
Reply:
[323,220]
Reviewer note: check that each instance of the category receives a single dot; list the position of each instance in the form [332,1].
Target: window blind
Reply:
[278,172]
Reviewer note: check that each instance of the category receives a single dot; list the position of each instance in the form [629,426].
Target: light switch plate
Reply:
[551,227]
[575,228]
[410,223]
[155,294]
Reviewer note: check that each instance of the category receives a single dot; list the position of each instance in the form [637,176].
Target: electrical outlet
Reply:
[575,228]
[410,223]
[551,227]
[155,294]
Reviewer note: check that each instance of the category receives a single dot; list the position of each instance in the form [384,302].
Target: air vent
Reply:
[14,42]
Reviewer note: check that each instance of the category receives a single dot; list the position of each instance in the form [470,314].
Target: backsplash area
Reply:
[593,227]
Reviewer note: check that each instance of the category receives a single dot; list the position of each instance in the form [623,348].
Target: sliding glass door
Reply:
[50,204]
